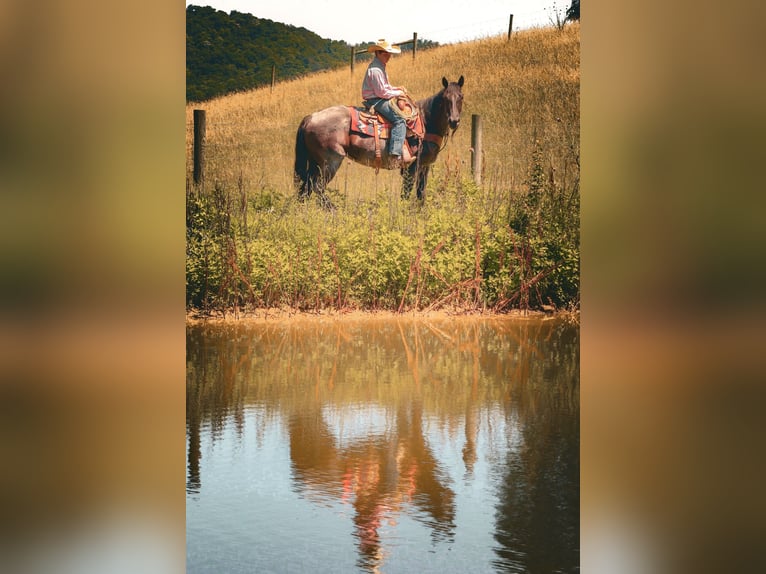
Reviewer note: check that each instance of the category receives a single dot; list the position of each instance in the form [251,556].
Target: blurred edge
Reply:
[91,349]
[673,328]
[91,284]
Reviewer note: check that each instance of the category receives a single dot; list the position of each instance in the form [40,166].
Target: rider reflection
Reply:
[381,477]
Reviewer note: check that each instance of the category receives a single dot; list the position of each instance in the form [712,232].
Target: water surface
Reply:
[383,445]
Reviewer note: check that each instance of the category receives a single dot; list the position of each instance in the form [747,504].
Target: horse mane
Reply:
[430,108]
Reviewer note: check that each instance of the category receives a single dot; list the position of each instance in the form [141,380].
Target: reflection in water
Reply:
[376,474]
[538,509]
[371,410]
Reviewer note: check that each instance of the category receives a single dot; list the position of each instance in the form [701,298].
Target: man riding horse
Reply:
[378,95]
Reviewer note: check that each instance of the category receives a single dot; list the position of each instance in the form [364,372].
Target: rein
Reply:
[439,139]
[435,138]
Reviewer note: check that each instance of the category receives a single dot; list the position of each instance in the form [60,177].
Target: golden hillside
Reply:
[525,89]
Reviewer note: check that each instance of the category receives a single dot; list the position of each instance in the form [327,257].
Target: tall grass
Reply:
[512,242]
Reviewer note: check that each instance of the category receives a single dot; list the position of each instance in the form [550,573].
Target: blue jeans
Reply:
[399,125]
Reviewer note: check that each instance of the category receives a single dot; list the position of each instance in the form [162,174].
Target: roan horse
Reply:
[324,139]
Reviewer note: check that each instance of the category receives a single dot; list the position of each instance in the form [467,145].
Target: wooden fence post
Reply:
[353,57]
[199,146]
[510,26]
[476,151]
[414,44]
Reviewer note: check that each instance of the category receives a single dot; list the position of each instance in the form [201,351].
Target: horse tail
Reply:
[303,162]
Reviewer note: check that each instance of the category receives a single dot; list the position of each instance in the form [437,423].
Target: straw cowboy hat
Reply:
[385,47]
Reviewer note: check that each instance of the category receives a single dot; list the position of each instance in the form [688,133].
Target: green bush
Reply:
[389,254]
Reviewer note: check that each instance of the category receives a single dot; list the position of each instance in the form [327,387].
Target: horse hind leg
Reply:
[310,182]
[304,182]
[314,179]
[331,167]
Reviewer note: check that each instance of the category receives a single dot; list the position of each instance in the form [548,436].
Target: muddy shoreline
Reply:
[282,315]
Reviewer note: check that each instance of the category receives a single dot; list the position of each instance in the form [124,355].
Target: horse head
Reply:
[452,100]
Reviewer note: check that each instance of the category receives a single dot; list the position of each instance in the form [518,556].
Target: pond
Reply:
[383,445]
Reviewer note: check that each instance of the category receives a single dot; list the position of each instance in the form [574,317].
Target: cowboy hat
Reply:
[384,46]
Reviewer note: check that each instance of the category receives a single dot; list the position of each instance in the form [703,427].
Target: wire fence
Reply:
[489,163]
[496,26]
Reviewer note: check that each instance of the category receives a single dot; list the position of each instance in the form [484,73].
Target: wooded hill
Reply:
[228,53]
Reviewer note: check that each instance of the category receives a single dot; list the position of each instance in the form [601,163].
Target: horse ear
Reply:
[460,82]
[445,83]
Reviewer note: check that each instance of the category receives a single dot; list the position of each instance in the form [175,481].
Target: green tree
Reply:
[573,12]
[233,52]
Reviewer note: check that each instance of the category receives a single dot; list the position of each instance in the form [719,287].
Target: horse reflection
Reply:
[381,476]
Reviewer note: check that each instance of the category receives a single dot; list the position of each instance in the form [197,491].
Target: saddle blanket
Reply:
[362,123]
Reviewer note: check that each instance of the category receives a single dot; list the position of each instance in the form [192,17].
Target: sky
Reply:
[358,21]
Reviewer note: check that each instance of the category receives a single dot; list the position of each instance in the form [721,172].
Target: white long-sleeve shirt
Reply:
[376,84]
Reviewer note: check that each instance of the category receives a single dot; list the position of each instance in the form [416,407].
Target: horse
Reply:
[324,139]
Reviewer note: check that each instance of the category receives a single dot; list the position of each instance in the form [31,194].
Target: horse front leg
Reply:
[408,179]
[422,181]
